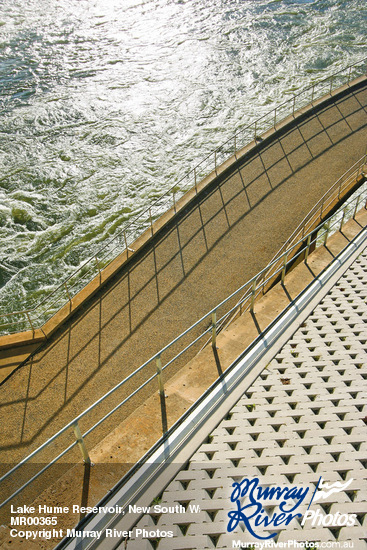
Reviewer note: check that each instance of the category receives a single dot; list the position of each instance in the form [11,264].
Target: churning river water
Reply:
[104,104]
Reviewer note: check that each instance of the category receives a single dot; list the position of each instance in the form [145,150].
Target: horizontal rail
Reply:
[137,225]
[267,277]
[341,184]
[256,283]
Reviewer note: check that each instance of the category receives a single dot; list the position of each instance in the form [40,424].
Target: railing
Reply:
[34,317]
[248,292]
[331,197]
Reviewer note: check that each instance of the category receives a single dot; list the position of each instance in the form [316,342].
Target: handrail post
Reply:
[81,443]
[214,329]
[356,208]
[215,161]
[127,248]
[67,291]
[235,145]
[253,290]
[151,221]
[331,83]
[313,92]
[284,266]
[294,103]
[158,362]
[342,220]
[275,116]
[174,201]
[99,269]
[327,231]
[161,394]
[196,186]
[308,248]
[255,127]
[30,321]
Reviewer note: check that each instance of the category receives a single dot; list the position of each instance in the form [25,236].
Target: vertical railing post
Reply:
[342,220]
[30,321]
[174,201]
[284,266]
[350,70]
[356,208]
[162,396]
[327,231]
[215,161]
[99,270]
[313,92]
[151,220]
[214,329]
[158,362]
[235,145]
[307,248]
[275,116]
[253,291]
[67,291]
[255,129]
[127,248]
[294,103]
[81,443]
[196,187]
[331,83]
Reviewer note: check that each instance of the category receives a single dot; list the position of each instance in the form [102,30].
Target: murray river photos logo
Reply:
[287,500]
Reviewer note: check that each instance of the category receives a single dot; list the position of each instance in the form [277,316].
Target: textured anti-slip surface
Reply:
[304,418]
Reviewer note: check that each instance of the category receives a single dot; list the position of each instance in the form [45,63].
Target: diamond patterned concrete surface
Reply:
[303,417]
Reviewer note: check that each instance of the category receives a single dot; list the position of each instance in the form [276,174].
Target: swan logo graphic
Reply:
[323,491]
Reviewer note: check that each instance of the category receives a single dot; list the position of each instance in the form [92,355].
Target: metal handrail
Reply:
[342,183]
[298,235]
[192,175]
[254,287]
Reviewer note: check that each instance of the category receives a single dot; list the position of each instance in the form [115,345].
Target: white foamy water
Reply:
[106,103]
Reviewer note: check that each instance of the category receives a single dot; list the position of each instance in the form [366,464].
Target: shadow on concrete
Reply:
[227,234]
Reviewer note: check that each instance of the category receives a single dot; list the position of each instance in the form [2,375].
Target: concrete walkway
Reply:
[303,418]
[227,235]
[126,444]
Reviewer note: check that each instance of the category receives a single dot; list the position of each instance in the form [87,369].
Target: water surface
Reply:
[106,103]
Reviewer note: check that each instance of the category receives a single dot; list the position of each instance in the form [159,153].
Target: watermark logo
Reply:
[253,514]
[288,500]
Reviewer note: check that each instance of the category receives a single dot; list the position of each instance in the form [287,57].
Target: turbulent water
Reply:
[105,103]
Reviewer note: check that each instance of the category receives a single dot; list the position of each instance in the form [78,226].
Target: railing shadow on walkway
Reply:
[80,354]
[230,147]
[164,417]
[260,166]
